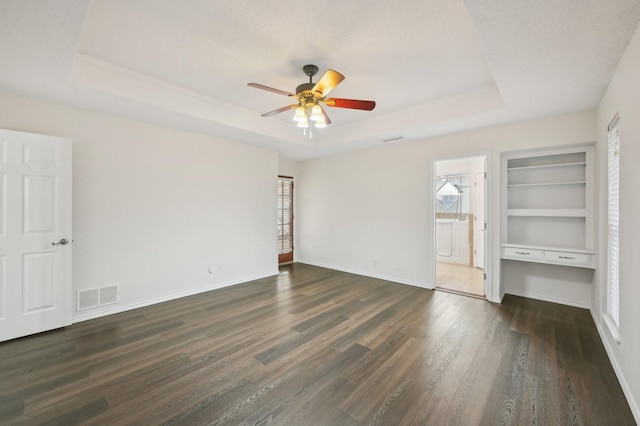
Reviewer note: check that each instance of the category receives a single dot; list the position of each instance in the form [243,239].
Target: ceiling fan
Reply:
[311,95]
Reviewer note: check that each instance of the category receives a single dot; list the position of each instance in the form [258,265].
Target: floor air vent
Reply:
[94,297]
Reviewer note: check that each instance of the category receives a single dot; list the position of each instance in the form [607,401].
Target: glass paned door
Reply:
[285,219]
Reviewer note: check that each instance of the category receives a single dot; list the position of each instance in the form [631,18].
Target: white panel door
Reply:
[478,220]
[35,233]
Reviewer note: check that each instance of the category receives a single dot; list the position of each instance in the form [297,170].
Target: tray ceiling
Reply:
[433,67]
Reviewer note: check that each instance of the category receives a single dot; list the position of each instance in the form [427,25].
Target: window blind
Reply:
[285,215]
[613,249]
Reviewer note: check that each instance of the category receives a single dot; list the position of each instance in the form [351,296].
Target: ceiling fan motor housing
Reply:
[305,87]
[304,91]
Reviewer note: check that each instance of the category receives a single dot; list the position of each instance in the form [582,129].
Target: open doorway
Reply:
[285,219]
[460,225]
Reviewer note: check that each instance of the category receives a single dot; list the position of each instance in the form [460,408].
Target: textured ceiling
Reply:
[433,67]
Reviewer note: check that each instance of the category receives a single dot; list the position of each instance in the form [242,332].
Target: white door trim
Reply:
[491,283]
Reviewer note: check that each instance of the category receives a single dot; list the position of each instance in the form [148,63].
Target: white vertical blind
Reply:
[613,283]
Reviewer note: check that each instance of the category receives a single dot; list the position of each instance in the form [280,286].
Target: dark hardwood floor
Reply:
[317,347]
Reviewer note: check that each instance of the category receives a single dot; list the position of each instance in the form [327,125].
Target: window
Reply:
[285,219]
[613,249]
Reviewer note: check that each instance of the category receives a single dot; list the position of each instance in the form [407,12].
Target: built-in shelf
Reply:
[522,185]
[544,166]
[547,211]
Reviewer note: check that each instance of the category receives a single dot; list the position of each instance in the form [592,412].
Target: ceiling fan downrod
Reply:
[310,70]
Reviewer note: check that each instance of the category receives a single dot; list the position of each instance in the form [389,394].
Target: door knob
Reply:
[62,242]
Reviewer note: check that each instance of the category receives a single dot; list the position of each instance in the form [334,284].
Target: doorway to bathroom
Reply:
[460,227]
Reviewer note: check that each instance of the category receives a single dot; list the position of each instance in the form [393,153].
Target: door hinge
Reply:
[484,276]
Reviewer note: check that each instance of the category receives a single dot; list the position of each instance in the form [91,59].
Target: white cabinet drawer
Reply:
[550,256]
[567,258]
[522,253]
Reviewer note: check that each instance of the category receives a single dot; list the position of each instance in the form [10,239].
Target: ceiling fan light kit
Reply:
[311,95]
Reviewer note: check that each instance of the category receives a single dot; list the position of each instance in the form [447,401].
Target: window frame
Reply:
[612,299]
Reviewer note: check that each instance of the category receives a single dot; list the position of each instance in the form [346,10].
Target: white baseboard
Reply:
[369,274]
[548,299]
[633,405]
[492,300]
[124,308]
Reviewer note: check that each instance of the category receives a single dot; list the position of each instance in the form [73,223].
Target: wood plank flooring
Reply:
[317,347]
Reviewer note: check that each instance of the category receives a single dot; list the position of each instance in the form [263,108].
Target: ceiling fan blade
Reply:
[328,82]
[279,110]
[270,89]
[351,104]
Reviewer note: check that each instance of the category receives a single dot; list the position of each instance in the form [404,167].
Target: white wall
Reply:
[623,97]
[460,166]
[287,167]
[371,212]
[365,212]
[154,208]
[553,283]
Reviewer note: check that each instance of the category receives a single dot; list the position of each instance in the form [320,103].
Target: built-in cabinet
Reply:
[547,207]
